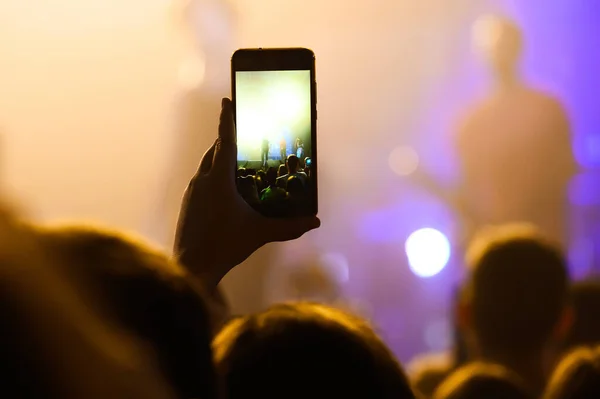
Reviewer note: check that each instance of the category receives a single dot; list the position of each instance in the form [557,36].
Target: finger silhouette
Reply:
[226,150]
[207,161]
[276,230]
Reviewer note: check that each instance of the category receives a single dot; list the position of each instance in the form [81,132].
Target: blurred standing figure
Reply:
[299,148]
[209,39]
[264,153]
[514,146]
[283,149]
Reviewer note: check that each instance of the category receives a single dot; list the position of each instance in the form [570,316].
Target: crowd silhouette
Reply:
[283,191]
[124,320]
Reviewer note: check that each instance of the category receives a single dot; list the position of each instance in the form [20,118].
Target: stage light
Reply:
[403,160]
[257,125]
[291,97]
[428,252]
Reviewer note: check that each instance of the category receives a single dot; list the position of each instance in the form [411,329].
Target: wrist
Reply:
[202,268]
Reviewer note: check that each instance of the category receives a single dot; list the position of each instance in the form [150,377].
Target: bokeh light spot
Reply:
[428,252]
[404,160]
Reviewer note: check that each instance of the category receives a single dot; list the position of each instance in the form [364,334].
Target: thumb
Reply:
[278,230]
[226,150]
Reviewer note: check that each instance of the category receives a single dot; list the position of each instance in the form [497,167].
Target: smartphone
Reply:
[274,93]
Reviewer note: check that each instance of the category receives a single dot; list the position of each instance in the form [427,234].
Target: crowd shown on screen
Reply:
[291,182]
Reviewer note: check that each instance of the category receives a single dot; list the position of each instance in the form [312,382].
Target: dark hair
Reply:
[54,344]
[576,377]
[241,172]
[247,188]
[479,380]
[271,176]
[585,299]
[151,297]
[517,289]
[459,349]
[306,350]
[292,163]
[282,171]
[295,186]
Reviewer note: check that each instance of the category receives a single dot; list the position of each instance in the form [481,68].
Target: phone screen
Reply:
[274,137]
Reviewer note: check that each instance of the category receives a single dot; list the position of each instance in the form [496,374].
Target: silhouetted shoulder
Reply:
[468,120]
[548,103]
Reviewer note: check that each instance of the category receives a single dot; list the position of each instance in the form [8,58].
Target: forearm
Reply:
[201,275]
[216,306]
[200,268]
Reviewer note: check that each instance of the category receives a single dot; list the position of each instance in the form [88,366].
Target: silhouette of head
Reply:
[282,171]
[480,380]
[212,24]
[501,43]
[585,299]
[292,163]
[271,176]
[51,317]
[577,376]
[247,188]
[306,350]
[295,187]
[151,296]
[515,299]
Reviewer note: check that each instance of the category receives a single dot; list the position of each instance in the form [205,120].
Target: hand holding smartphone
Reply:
[275,105]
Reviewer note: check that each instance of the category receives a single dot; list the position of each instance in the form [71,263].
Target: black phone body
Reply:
[274,94]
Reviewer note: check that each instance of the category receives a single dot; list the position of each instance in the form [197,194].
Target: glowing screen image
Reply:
[273,120]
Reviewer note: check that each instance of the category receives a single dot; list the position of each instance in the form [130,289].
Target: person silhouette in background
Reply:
[306,350]
[295,189]
[272,192]
[282,171]
[431,369]
[264,153]
[299,148]
[283,149]
[50,318]
[514,146]
[293,165]
[209,35]
[208,41]
[514,308]
[585,299]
